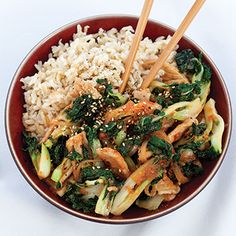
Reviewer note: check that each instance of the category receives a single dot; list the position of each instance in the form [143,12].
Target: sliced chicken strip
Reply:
[76,142]
[114,159]
[166,186]
[144,154]
[142,95]
[178,173]
[171,72]
[177,133]
[132,111]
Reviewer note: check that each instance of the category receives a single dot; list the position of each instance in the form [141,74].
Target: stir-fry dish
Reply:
[107,151]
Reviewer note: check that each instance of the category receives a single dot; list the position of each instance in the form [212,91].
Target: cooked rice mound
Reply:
[87,57]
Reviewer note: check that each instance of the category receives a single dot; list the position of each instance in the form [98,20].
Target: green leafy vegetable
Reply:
[58,150]
[111,98]
[159,177]
[194,146]
[160,146]
[85,153]
[209,153]
[58,185]
[31,143]
[84,109]
[177,93]
[162,97]
[92,137]
[207,74]
[75,156]
[159,112]
[206,78]
[187,62]
[146,125]
[111,129]
[184,92]
[190,169]
[32,146]
[91,173]
[77,200]
[198,129]
[176,157]
[128,144]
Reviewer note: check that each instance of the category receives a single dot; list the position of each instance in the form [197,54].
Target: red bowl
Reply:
[14,110]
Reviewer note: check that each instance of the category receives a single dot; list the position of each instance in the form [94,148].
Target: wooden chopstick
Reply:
[135,44]
[175,39]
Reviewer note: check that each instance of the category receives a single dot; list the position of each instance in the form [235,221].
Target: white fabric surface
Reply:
[22,211]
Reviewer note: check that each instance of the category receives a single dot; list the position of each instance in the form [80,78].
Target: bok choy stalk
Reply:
[212,133]
[94,142]
[215,124]
[41,160]
[105,201]
[188,63]
[151,203]
[134,186]
[120,137]
[57,173]
[44,163]
[79,201]
[205,83]
[184,110]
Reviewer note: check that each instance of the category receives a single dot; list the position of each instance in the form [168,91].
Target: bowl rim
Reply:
[94,218]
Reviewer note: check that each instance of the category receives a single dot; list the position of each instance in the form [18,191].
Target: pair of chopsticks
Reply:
[167,50]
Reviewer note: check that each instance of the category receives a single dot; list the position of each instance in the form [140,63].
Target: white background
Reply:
[22,210]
